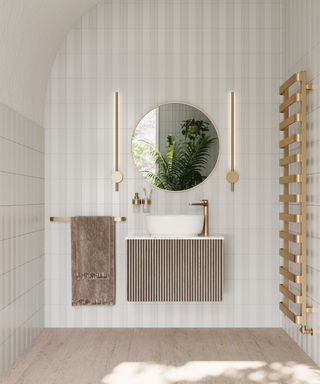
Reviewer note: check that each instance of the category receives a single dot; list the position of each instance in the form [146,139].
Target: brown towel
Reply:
[93,260]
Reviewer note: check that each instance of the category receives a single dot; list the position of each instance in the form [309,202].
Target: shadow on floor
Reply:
[226,372]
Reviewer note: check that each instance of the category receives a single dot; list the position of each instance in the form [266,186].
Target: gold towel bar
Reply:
[290,179]
[288,294]
[290,198]
[299,76]
[292,316]
[289,120]
[290,256]
[292,79]
[67,219]
[284,161]
[290,140]
[290,217]
[291,237]
[291,100]
[290,276]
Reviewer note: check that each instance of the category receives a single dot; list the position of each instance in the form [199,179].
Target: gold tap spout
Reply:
[205,205]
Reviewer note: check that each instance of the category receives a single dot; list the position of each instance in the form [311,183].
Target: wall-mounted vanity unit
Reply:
[175,269]
[175,147]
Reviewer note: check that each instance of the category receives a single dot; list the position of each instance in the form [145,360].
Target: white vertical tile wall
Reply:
[21,233]
[154,52]
[301,50]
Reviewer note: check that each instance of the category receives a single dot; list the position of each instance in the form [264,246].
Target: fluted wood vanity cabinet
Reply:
[174,269]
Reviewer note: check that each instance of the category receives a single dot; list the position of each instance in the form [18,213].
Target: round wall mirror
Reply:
[175,146]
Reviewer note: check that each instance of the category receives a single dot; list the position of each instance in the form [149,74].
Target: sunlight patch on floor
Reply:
[252,371]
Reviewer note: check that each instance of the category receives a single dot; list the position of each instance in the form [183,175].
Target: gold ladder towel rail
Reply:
[294,132]
[67,219]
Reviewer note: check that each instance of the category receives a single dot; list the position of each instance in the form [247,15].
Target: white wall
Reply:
[21,233]
[153,52]
[30,35]
[301,50]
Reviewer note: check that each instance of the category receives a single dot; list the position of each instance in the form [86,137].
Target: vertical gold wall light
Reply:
[232,175]
[116,175]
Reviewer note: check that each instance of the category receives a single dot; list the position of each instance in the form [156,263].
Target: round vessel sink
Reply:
[174,225]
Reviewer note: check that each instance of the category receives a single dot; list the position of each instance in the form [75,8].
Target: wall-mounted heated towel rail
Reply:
[293,197]
[67,219]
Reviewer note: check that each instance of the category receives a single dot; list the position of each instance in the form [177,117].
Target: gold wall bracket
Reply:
[294,172]
[117,176]
[309,87]
[306,330]
[232,175]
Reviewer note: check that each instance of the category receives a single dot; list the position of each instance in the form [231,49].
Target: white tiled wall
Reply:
[301,50]
[21,233]
[153,52]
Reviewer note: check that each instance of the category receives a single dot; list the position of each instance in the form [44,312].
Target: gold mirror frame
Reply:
[211,121]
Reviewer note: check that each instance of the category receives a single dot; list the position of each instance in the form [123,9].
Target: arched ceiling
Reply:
[31,32]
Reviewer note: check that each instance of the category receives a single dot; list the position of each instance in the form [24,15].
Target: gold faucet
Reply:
[205,205]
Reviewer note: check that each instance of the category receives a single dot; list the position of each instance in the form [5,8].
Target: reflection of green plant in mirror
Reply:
[171,143]
[192,128]
[182,166]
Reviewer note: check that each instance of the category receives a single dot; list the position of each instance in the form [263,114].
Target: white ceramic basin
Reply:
[174,225]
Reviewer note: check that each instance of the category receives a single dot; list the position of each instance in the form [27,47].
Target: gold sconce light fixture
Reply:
[232,175]
[117,176]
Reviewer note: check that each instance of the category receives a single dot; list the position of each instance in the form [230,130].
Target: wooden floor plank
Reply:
[163,356]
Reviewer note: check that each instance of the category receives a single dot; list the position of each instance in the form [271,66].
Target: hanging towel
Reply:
[93,260]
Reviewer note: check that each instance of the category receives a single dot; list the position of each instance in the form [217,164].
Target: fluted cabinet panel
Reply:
[172,270]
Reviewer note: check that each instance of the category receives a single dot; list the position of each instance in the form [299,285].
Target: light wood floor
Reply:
[163,356]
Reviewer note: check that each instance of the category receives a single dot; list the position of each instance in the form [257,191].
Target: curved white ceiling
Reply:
[31,32]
